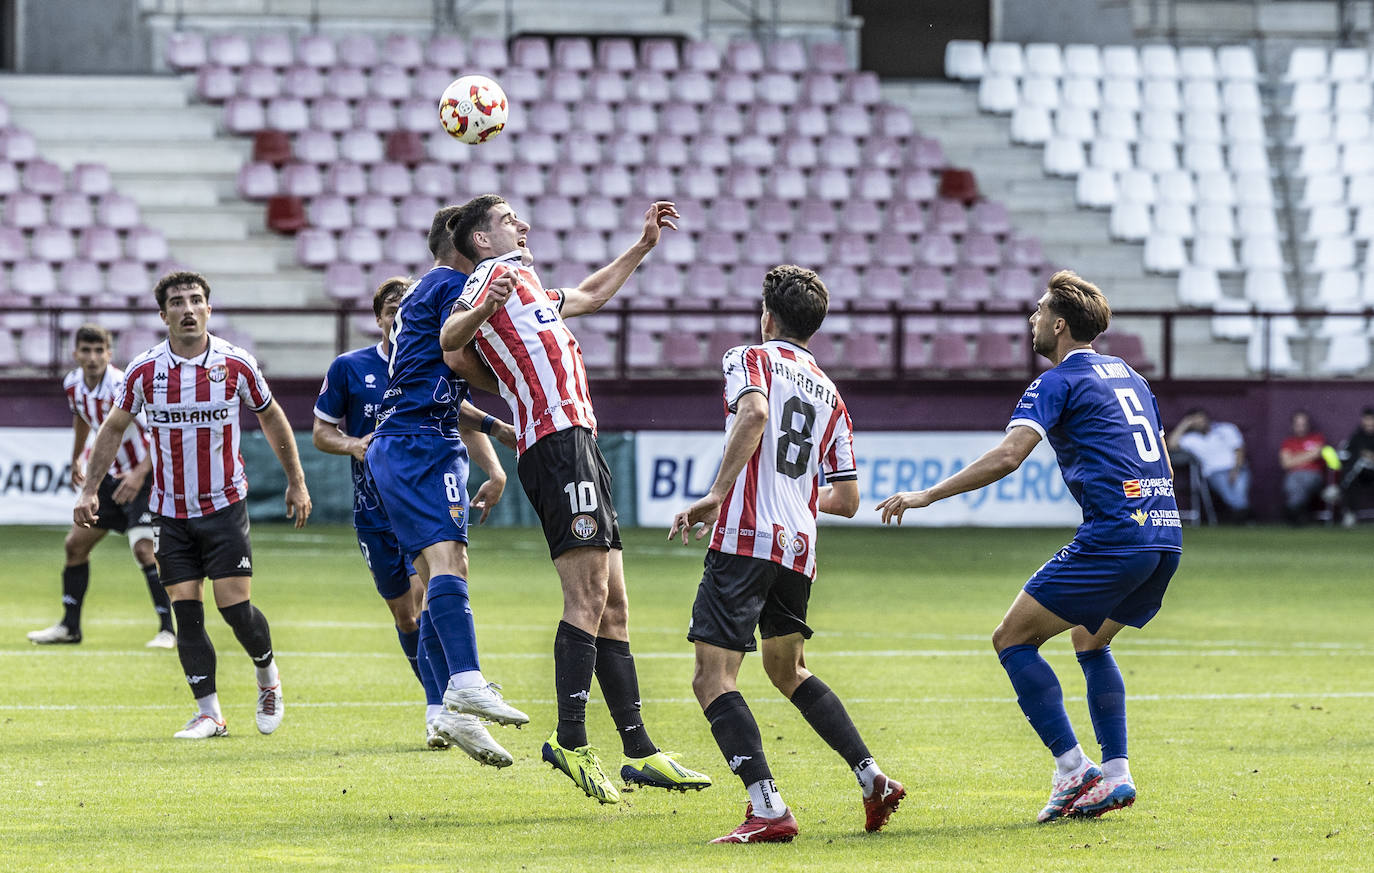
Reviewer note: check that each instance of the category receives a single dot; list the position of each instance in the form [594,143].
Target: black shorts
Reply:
[213,546]
[738,594]
[119,518]
[569,485]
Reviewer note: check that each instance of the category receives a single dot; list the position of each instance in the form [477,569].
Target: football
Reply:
[473,109]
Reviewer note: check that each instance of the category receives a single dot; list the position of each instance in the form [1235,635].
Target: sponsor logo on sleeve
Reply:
[1140,517]
[1131,487]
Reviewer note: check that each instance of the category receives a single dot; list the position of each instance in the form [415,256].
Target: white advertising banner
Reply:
[35,475]
[676,467]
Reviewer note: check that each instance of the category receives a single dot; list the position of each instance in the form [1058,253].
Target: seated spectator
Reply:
[1219,451]
[1304,471]
[1357,472]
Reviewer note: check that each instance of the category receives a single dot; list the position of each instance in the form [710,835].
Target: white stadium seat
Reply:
[1267,290]
[1256,221]
[1342,324]
[1360,192]
[1261,253]
[1040,91]
[1306,63]
[1173,218]
[1197,62]
[1248,157]
[1121,93]
[1216,252]
[1203,157]
[1244,127]
[1164,253]
[1176,186]
[1346,355]
[1081,92]
[1349,64]
[1329,219]
[1353,96]
[1351,127]
[1120,61]
[1160,124]
[1364,223]
[1130,221]
[1198,286]
[1157,156]
[1031,125]
[1241,97]
[1063,157]
[1074,123]
[1113,154]
[1339,291]
[1310,97]
[1235,326]
[1215,218]
[1137,186]
[997,93]
[1005,59]
[1216,188]
[1083,60]
[1237,63]
[964,60]
[1158,62]
[1201,95]
[1357,158]
[1096,188]
[1202,126]
[1268,350]
[1161,94]
[1044,59]
[1117,123]
[1333,253]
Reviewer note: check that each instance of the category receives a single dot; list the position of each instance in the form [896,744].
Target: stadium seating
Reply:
[793,131]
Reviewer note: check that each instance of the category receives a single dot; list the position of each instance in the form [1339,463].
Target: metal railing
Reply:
[893,325]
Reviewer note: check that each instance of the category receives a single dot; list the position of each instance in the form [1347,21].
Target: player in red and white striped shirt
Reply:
[190,388]
[92,389]
[785,425]
[521,336]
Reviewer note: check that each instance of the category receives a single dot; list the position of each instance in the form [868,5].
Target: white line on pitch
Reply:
[762,700]
[63,651]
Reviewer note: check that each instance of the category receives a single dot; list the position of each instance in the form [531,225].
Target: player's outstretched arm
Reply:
[484,456]
[283,442]
[103,453]
[997,462]
[476,418]
[751,419]
[329,439]
[598,288]
[470,367]
[463,323]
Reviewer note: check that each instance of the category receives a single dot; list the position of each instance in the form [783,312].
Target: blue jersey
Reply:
[1103,423]
[351,397]
[423,394]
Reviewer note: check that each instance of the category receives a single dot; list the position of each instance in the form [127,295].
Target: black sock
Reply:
[574,662]
[615,672]
[75,580]
[825,713]
[194,648]
[161,604]
[737,734]
[250,626]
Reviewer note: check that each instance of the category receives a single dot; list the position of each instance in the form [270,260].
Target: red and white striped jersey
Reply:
[91,405]
[192,407]
[771,511]
[535,357]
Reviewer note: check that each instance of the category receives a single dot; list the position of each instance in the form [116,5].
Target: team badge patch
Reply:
[1131,487]
[217,373]
[584,527]
[456,511]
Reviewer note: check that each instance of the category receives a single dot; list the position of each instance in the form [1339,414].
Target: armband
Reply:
[487,423]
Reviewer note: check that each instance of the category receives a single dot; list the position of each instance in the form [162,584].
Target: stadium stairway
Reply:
[167,153]
[1073,237]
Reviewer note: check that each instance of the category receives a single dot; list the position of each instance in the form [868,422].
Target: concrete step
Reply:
[285,286]
[228,221]
[103,92]
[170,159]
[152,191]
[185,124]
[218,256]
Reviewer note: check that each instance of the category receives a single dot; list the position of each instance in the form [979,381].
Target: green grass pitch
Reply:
[1252,697]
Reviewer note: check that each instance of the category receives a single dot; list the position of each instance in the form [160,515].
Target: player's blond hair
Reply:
[1080,303]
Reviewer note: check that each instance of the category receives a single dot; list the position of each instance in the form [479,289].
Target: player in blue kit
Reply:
[1103,423]
[345,415]
[418,461]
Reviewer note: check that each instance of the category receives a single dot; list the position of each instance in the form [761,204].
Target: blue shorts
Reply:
[391,570]
[1087,589]
[423,483]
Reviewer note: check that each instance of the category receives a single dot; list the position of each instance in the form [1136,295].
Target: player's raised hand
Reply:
[498,292]
[298,504]
[658,216]
[894,506]
[85,513]
[704,512]
[487,496]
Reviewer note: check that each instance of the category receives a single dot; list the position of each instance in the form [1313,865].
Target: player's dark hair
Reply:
[177,279]
[93,334]
[797,298]
[472,216]
[1081,304]
[1368,410]
[394,287]
[440,240]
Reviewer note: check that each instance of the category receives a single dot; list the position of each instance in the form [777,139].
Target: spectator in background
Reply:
[1300,455]
[1219,451]
[1357,457]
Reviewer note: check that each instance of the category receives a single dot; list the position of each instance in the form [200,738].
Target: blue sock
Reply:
[410,644]
[1039,695]
[433,667]
[1106,700]
[452,619]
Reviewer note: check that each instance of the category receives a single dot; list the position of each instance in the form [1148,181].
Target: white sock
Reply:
[268,676]
[767,799]
[432,711]
[866,772]
[467,679]
[1071,761]
[1116,768]
[209,705]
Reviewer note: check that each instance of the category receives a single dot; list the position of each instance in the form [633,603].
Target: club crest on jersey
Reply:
[217,373]
[584,527]
[457,511]
[794,544]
